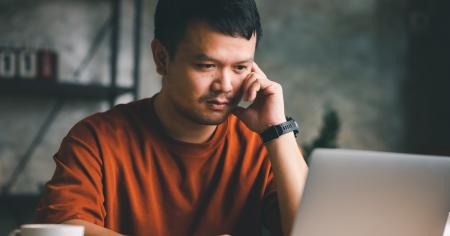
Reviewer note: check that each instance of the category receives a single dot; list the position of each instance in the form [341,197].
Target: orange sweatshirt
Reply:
[119,170]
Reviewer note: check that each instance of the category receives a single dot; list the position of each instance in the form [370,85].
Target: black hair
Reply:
[237,18]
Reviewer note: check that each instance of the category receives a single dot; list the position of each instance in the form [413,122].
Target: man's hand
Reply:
[267,106]
[288,165]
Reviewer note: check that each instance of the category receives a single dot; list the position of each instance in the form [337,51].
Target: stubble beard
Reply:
[198,117]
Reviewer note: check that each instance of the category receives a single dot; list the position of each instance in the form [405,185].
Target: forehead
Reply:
[201,39]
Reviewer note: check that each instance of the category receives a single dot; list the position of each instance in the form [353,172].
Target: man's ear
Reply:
[160,57]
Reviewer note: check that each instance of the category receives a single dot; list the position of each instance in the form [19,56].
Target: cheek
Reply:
[191,84]
[237,83]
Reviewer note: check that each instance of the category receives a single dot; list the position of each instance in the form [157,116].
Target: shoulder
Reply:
[117,119]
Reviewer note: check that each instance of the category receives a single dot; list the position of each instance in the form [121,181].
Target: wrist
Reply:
[275,122]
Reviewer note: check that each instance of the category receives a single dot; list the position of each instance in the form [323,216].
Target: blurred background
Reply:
[357,74]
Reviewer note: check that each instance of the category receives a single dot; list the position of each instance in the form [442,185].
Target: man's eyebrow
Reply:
[245,61]
[204,57]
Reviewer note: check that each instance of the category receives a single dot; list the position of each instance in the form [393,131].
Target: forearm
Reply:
[91,229]
[290,171]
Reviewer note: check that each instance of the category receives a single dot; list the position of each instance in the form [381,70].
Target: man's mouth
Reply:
[218,105]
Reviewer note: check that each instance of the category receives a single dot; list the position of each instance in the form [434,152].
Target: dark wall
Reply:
[427,88]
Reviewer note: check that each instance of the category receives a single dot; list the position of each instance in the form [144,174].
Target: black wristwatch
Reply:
[276,131]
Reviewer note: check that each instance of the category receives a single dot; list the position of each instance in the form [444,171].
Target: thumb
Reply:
[239,112]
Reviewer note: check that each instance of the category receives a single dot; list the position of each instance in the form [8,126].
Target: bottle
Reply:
[48,63]
[8,63]
[27,63]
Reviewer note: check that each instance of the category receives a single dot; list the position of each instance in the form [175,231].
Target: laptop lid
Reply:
[363,193]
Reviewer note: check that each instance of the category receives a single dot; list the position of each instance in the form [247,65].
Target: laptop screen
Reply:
[354,193]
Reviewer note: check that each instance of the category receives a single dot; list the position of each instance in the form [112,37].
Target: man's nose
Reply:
[223,82]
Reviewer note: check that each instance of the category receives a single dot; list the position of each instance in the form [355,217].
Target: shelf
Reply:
[18,199]
[46,88]
[58,90]
[19,204]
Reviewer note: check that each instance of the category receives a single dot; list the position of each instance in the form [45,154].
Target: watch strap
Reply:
[276,131]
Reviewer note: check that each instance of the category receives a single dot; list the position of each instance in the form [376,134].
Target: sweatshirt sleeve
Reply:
[76,189]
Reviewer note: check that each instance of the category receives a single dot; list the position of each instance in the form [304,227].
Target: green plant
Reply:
[328,133]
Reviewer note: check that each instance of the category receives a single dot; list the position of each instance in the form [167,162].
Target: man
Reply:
[187,161]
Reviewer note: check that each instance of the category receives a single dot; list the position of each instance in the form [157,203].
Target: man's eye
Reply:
[241,68]
[205,66]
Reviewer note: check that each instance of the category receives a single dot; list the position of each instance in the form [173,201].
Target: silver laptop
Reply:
[362,193]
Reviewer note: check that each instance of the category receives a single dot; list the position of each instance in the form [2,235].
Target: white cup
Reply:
[49,230]
[447,226]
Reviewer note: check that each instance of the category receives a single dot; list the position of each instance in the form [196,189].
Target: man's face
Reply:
[202,82]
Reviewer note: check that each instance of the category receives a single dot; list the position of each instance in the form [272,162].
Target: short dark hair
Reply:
[237,18]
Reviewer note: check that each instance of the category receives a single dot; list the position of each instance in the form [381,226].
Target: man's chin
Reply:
[213,120]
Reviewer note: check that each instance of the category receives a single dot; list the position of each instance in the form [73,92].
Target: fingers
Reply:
[253,90]
[251,79]
[255,68]
[252,85]
[255,82]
